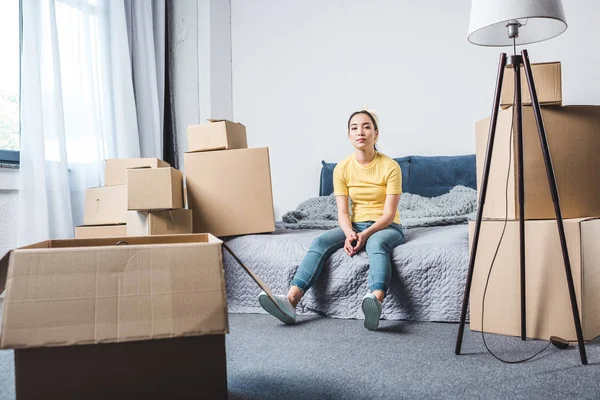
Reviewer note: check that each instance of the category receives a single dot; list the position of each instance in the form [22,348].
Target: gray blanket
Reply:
[455,207]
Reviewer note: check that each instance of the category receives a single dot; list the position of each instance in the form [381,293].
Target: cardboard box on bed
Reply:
[216,135]
[115,169]
[548,84]
[548,305]
[105,205]
[160,222]
[574,143]
[91,319]
[100,231]
[229,191]
[154,189]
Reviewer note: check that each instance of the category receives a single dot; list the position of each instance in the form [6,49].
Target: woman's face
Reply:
[362,133]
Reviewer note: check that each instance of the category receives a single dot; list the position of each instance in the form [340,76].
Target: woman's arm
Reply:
[344,215]
[346,224]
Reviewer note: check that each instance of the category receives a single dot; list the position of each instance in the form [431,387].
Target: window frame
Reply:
[10,157]
[14,156]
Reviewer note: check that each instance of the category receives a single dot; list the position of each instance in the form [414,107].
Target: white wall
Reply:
[300,67]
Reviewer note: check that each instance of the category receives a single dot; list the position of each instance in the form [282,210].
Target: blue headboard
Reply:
[427,176]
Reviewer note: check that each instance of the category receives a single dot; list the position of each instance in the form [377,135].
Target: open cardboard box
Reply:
[129,317]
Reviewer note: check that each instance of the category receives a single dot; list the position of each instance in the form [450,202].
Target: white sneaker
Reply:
[284,311]
[371,307]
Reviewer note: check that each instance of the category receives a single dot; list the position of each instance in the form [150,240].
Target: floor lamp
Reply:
[498,23]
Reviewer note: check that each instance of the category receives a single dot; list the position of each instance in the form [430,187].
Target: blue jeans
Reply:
[379,247]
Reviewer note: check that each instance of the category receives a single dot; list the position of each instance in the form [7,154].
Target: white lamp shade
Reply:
[540,19]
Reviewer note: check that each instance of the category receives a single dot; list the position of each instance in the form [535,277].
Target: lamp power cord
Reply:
[496,253]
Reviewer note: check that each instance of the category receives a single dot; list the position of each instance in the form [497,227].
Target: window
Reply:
[10,54]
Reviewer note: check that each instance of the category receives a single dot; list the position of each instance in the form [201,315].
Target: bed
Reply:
[429,269]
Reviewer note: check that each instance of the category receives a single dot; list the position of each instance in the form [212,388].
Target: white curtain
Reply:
[78,105]
[146,31]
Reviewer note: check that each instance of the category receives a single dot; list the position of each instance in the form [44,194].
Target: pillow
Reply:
[437,175]
[326,180]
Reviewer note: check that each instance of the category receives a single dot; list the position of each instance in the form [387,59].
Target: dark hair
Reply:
[370,116]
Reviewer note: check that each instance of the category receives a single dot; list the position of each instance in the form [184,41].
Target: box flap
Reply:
[97,292]
[131,240]
[253,275]
[511,66]
[223,120]
[115,168]
[587,219]
[4,270]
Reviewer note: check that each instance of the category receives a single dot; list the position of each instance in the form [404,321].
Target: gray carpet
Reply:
[329,358]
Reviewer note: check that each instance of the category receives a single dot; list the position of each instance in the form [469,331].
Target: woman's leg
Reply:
[284,308]
[379,248]
[312,264]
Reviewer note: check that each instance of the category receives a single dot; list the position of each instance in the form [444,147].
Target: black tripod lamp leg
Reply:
[482,194]
[554,192]
[521,189]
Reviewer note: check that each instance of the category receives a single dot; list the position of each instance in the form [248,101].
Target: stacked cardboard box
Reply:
[141,196]
[228,185]
[155,202]
[574,143]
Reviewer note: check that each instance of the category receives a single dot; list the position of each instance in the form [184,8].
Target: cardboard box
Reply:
[216,135]
[230,191]
[115,169]
[105,205]
[548,305]
[91,319]
[166,222]
[574,142]
[154,189]
[100,231]
[548,84]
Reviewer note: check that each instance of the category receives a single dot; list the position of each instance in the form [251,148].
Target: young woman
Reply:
[374,183]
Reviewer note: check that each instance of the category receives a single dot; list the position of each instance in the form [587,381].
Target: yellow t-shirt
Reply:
[368,185]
